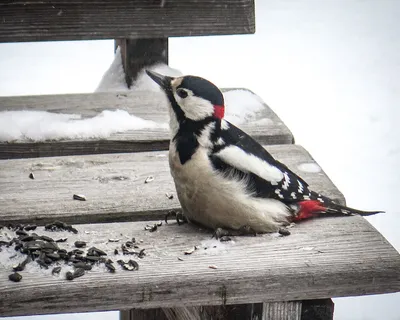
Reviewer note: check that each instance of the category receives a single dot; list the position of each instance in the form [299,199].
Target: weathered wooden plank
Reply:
[113,184]
[335,256]
[147,105]
[106,19]
[139,53]
[282,310]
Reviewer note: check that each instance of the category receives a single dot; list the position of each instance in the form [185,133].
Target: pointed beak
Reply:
[163,81]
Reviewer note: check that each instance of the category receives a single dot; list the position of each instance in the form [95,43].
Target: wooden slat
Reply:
[336,256]
[113,184]
[109,19]
[147,105]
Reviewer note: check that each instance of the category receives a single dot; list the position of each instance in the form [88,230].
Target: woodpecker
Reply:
[223,177]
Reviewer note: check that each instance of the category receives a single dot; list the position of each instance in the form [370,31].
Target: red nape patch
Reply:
[219,111]
[309,209]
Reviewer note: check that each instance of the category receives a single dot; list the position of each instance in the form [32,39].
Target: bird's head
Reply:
[191,97]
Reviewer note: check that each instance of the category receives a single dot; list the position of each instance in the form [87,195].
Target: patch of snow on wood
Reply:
[42,125]
[242,106]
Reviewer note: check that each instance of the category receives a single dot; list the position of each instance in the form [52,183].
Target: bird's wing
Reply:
[244,158]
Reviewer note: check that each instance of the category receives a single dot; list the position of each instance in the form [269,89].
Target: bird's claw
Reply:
[180,217]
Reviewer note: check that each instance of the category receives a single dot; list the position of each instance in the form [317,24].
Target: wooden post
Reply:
[139,53]
[291,310]
[317,309]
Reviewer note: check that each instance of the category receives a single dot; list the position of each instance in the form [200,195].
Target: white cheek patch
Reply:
[243,161]
[195,108]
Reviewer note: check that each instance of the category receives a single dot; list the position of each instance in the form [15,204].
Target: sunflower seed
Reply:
[79,197]
[80,244]
[15,277]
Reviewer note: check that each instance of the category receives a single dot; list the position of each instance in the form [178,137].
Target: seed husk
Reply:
[31,176]
[56,270]
[15,277]
[30,227]
[79,197]
[93,251]
[169,195]
[110,267]
[80,244]
[284,232]
[82,265]
[21,233]
[149,179]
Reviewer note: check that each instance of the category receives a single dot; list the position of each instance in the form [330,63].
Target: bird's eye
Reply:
[182,93]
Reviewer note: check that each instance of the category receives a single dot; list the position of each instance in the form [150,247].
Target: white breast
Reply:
[213,200]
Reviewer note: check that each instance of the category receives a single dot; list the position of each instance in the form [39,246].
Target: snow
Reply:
[329,69]
[309,167]
[241,106]
[114,78]
[42,125]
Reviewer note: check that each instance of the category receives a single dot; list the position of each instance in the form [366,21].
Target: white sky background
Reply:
[330,69]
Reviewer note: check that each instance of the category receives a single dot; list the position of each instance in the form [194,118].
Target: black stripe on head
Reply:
[204,89]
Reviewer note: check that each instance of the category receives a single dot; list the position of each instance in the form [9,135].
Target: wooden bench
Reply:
[322,258]
[263,277]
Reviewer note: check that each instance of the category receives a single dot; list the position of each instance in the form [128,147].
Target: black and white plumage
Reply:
[223,177]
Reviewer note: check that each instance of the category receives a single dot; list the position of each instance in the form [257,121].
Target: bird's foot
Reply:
[223,234]
[179,216]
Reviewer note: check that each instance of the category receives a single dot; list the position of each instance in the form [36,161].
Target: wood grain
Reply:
[282,310]
[113,185]
[106,19]
[147,105]
[330,257]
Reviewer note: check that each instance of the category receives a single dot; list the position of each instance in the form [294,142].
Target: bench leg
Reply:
[139,53]
[321,309]
[292,310]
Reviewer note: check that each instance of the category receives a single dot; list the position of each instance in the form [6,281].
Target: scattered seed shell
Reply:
[149,179]
[190,251]
[30,227]
[284,232]
[56,270]
[79,197]
[169,195]
[80,244]
[113,240]
[31,176]
[213,267]
[15,277]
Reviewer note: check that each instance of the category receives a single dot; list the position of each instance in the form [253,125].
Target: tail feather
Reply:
[334,208]
[311,208]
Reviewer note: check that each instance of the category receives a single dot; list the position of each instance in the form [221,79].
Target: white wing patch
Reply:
[241,160]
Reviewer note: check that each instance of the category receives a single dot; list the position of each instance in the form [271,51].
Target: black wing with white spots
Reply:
[291,188]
